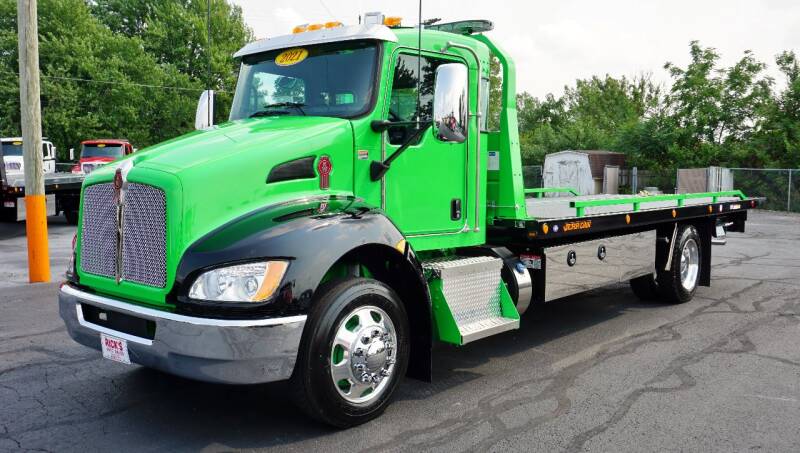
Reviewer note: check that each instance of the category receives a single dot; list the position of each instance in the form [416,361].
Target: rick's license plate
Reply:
[114,348]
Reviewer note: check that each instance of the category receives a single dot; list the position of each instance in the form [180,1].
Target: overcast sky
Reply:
[555,42]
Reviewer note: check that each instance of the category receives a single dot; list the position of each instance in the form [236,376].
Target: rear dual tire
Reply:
[678,284]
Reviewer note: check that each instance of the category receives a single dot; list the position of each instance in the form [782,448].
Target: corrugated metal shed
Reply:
[598,159]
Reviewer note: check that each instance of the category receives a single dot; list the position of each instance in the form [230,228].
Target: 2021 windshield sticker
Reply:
[291,57]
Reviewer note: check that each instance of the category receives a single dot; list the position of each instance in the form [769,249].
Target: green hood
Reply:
[212,177]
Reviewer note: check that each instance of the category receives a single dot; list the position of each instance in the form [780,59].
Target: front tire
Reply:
[353,353]
[678,284]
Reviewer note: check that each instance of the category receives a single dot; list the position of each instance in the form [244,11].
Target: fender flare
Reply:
[313,235]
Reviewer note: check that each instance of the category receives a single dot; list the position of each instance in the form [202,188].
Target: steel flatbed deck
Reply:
[572,218]
[62,190]
[51,180]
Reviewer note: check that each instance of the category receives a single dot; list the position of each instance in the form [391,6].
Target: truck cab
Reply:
[94,153]
[353,210]
[13,160]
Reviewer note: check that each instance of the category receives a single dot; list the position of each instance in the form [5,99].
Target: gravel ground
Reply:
[597,372]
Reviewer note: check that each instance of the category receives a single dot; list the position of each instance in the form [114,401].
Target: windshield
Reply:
[12,148]
[101,150]
[324,80]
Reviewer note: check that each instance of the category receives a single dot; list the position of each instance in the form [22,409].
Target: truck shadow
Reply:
[539,326]
[204,415]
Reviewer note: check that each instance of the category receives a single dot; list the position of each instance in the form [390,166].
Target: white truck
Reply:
[12,156]
[62,189]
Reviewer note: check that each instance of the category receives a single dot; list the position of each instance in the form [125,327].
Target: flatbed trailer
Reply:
[62,194]
[331,235]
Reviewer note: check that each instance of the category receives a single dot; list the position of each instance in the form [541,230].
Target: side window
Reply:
[403,102]
[45,154]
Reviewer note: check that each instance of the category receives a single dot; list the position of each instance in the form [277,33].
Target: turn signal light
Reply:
[393,21]
[312,27]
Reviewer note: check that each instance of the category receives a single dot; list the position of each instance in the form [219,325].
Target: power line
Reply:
[111,82]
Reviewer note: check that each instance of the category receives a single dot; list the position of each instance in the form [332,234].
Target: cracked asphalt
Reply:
[596,372]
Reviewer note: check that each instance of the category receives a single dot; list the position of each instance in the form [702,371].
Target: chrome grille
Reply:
[144,242]
[144,236]
[98,231]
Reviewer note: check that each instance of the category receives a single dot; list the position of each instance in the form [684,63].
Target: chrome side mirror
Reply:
[450,103]
[204,116]
[71,154]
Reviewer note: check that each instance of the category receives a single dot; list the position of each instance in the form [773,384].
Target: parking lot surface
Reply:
[596,372]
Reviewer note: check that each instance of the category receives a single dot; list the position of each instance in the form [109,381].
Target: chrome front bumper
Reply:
[212,350]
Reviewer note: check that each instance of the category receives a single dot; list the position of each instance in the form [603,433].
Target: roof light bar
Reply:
[314,27]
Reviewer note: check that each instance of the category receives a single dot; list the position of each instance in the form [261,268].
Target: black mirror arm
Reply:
[377,168]
[383,125]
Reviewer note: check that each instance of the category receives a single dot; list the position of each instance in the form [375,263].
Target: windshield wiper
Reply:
[296,105]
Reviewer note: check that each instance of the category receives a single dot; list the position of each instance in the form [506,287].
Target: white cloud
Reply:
[553,43]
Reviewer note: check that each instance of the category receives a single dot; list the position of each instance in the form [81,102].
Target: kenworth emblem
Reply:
[117,185]
[120,183]
[324,167]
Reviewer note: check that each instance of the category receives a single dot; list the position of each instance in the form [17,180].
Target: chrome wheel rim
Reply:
[690,264]
[363,354]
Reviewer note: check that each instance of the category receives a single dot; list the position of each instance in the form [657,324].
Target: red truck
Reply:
[95,153]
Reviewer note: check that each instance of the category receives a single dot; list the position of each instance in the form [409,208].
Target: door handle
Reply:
[455,209]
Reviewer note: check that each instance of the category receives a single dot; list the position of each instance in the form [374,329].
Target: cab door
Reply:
[426,187]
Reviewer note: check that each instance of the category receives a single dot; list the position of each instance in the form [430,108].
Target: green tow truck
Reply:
[353,211]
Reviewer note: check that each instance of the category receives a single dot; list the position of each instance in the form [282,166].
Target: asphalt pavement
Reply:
[595,372]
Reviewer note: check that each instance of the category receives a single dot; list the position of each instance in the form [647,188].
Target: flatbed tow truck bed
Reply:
[565,218]
[563,208]
[575,243]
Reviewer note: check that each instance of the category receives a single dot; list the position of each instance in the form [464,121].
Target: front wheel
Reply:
[678,284]
[353,353]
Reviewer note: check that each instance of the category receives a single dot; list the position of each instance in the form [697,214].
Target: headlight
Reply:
[252,282]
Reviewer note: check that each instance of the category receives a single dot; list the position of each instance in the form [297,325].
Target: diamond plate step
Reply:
[487,327]
[470,300]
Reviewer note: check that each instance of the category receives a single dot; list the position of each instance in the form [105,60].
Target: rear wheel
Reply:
[678,284]
[353,353]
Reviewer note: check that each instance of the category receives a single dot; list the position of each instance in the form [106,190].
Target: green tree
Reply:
[716,111]
[589,115]
[175,33]
[711,115]
[104,79]
[780,133]
[94,83]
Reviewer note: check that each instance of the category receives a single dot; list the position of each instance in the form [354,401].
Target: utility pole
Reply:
[31,115]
